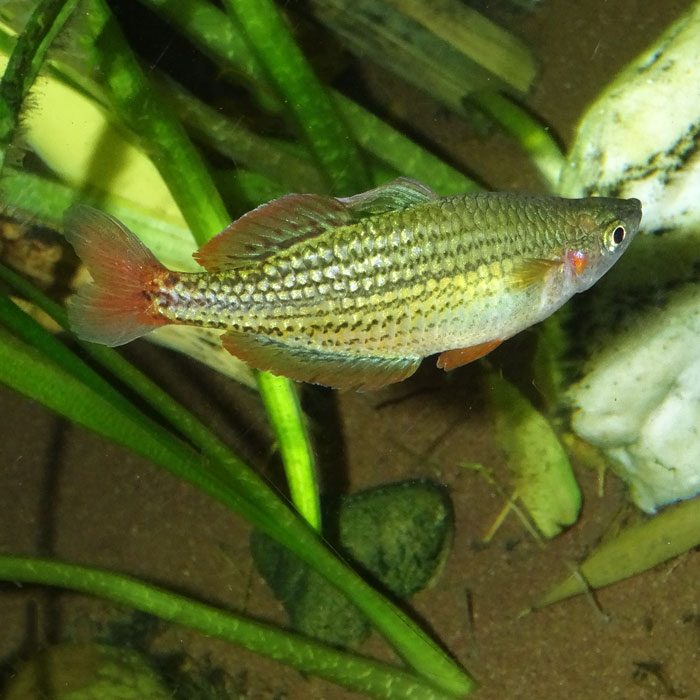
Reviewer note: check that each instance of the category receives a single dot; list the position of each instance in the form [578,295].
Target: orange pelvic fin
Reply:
[451,359]
[317,367]
[114,309]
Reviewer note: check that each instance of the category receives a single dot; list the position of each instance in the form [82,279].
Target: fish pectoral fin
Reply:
[451,359]
[391,196]
[305,364]
[531,271]
[272,227]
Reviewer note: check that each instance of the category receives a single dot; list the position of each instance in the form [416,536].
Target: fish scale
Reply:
[356,291]
[438,258]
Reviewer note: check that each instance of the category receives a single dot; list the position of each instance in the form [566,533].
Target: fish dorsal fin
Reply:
[398,194]
[272,227]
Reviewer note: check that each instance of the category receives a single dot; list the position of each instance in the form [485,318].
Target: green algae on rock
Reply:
[86,672]
[399,534]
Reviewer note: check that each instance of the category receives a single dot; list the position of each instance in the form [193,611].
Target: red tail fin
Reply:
[113,309]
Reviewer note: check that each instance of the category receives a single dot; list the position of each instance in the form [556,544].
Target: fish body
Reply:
[355,292]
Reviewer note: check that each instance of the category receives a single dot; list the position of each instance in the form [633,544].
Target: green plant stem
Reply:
[186,176]
[485,42]
[228,480]
[39,200]
[216,35]
[243,146]
[56,377]
[371,678]
[282,404]
[224,465]
[238,488]
[26,328]
[301,92]
[404,156]
[25,61]
[31,372]
[166,141]
[527,131]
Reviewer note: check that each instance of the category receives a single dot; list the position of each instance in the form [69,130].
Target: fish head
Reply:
[606,228]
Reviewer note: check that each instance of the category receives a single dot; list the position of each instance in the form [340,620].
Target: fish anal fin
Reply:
[391,196]
[271,227]
[316,366]
[451,359]
[532,271]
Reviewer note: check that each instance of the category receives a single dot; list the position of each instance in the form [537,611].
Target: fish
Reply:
[353,292]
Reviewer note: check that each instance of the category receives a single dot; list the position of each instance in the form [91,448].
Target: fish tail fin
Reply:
[114,308]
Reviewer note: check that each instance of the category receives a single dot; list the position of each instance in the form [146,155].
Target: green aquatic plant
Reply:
[42,367]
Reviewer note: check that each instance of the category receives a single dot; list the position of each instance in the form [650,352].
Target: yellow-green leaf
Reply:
[543,478]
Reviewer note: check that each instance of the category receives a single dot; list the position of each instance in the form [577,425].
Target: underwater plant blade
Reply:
[178,161]
[79,141]
[282,405]
[371,678]
[398,151]
[637,549]
[301,93]
[30,372]
[544,480]
[294,172]
[485,42]
[532,136]
[25,327]
[215,33]
[139,106]
[23,66]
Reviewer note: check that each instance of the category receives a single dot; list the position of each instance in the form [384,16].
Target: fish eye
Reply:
[614,235]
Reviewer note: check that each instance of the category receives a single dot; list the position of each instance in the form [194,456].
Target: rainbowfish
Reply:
[354,292]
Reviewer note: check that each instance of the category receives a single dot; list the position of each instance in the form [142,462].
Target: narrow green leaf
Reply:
[138,104]
[27,57]
[302,94]
[282,404]
[543,477]
[486,43]
[669,534]
[215,34]
[245,148]
[190,183]
[403,155]
[30,372]
[371,678]
[527,131]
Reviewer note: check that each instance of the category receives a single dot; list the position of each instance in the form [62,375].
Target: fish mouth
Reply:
[631,213]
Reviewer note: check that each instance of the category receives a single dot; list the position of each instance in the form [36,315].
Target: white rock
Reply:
[640,402]
[640,397]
